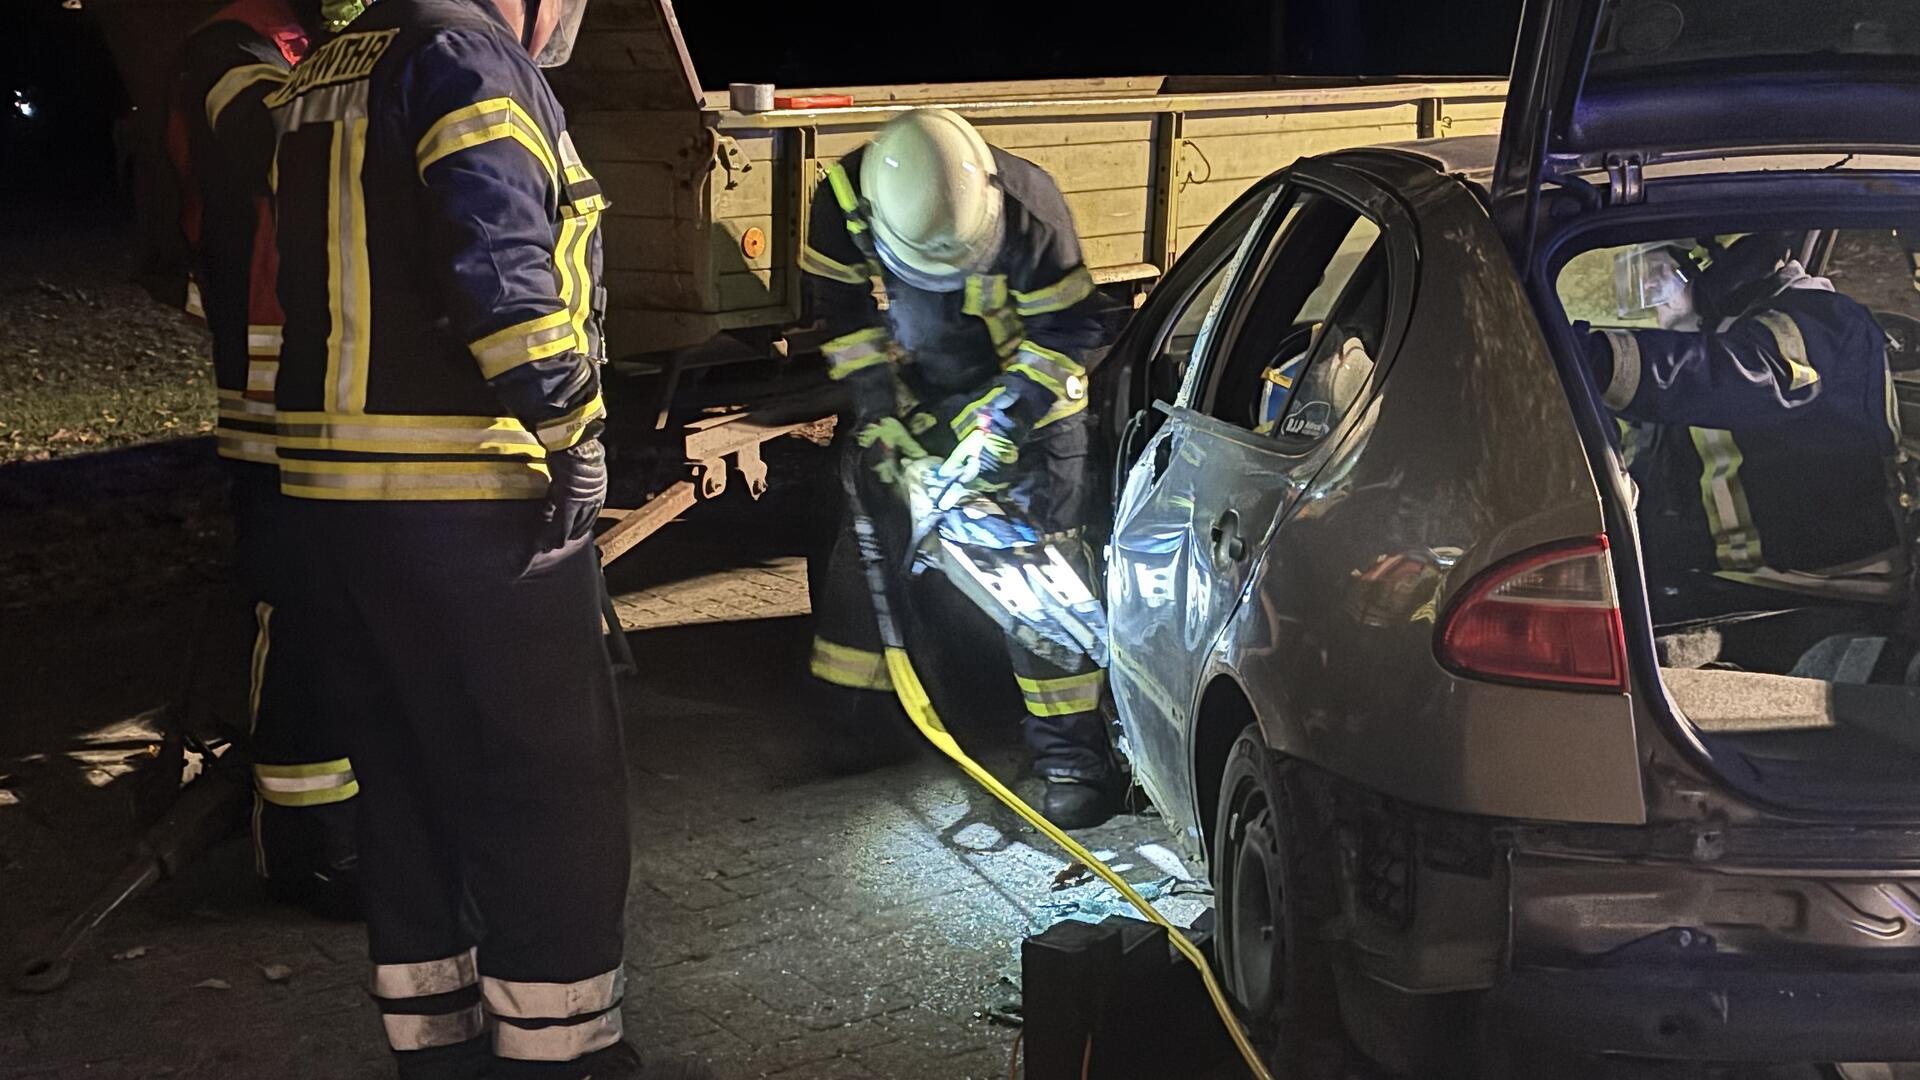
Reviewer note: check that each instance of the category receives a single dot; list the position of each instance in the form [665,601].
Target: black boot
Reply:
[331,892]
[1078,804]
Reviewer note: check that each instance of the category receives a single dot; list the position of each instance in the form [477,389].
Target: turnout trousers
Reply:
[303,782]
[480,711]
[1063,727]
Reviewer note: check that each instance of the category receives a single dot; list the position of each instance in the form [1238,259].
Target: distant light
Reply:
[25,108]
[71,5]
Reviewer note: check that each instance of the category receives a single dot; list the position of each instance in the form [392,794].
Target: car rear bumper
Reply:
[1709,1015]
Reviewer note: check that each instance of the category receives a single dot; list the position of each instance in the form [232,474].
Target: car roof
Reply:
[1470,157]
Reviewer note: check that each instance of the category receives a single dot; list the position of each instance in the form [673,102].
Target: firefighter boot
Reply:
[865,730]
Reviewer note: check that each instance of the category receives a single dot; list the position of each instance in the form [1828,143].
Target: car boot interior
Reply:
[1813,697]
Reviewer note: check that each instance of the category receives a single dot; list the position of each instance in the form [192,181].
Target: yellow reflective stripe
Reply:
[1059,296]
[263,341]
[349,295]
[316,784]
[485,122]
[553,1000]
[410,1032]
[1793,348]
[1736,540]
[856,351]
[984,293]
[969,414]
[566,431]
[812,262]
[426,978]
[843,194]
[498,478]
[257,670]
[556,1042]
[235,82]
[1063,696]
[1062,409]
[843,665]
[408,434]
[261,375]
[1625,381]
[524,343]
[248,447]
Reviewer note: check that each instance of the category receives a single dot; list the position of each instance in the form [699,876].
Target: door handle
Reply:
[1228,544]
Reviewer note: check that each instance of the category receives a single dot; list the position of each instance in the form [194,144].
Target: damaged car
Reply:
[1511,579]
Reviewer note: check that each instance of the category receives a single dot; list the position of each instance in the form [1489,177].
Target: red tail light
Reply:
[1548,617]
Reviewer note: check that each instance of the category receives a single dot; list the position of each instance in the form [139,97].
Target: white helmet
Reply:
[935,196]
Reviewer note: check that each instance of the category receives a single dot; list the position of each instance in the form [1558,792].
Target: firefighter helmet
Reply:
[935,198]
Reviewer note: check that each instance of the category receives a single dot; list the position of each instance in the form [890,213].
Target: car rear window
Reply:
[1640,35]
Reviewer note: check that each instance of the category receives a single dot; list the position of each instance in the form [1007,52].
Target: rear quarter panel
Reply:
[1466,455]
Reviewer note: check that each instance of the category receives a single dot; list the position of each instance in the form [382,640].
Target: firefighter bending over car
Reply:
[220,138]
[950,283]
[1759,425]
[439,412]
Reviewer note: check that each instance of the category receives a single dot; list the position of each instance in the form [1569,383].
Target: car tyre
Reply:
[1272,890]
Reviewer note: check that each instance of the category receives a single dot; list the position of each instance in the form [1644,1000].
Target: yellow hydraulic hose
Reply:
[913,696]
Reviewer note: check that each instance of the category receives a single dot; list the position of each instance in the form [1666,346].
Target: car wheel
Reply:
[1271,889]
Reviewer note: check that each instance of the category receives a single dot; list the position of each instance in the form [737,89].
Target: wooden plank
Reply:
[648,331]
[1201,203]
[1238,157]
[663,289]
[672,244]
[620,89]
[1470,116]
[756,145]
[751,289]
[605,49]
[646,190]
[1190,233]
[630,135]
[1108,213]
[727,254]
[836,141]
[636,525]
[1101,167]
[1115,250]
[751,195]
[1313,118]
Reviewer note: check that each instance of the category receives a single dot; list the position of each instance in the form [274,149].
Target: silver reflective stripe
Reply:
[263,340]
[346,101]
[553,1001]
[426,978]
[1793,348]
[426,1032]
[1625,382]
[560,1042]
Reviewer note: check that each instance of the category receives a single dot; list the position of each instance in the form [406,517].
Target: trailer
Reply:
[709,207]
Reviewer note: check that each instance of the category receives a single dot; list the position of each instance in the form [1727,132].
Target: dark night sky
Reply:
[60,62]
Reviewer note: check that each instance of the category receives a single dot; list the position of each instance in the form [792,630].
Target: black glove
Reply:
[575,493]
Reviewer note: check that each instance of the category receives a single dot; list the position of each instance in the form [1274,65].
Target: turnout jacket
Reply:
[1023,325]
[440,262]
[1764,449]
[220,141]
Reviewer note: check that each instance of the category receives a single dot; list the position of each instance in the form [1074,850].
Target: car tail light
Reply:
[1548,616]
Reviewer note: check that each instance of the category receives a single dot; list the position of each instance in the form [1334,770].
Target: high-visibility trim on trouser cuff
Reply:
[843,665]
[426,977]
[556,1042]
[553,1000]
[1065,696]
[406,1031]
[314,784]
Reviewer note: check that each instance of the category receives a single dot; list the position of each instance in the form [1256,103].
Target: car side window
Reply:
[1193,323]
[1304,349]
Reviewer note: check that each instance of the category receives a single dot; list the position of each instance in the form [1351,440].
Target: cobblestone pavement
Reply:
[782,922]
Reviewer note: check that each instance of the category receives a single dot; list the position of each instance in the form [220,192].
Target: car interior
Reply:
[1812,698]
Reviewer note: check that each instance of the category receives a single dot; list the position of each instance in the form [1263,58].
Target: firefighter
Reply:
[1761,431]
[948,277]
[220,138]
[440,412]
